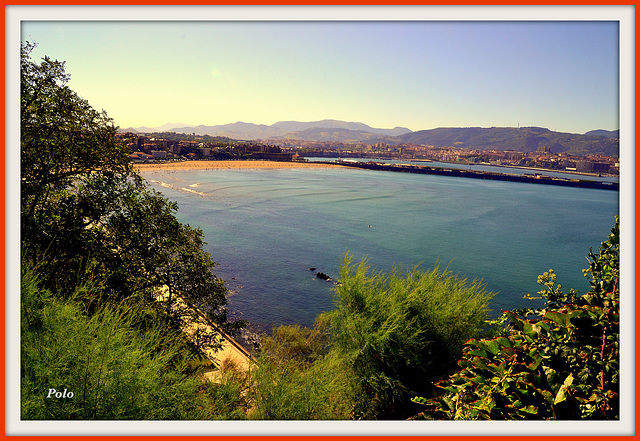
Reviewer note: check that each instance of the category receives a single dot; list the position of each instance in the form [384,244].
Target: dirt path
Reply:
[231,352]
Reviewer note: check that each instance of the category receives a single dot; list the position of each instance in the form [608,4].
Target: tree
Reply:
[562,363]
[399,333]
[85,209]
[62,136]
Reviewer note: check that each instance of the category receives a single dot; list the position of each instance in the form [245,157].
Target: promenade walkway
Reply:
[231,351]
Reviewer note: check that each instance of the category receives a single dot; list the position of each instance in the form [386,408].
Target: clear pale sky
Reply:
[419,75]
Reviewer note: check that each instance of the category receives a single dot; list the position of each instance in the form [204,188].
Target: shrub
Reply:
[397,334]
[562,365]
[113,370]
[295,379]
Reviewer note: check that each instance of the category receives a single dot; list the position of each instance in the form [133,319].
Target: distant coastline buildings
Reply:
[171,146]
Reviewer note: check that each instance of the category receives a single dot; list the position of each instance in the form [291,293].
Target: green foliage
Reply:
[523,139]
[84,209]
[105,242]
[296,394]
[114,370]
[562,365]
[295,344]
[293,379]
[227,398]
[296,380]
[397,334]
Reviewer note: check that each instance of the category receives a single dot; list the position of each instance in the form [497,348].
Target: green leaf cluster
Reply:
[564,364]
[296,378]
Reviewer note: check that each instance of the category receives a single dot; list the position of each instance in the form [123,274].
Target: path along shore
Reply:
[231,351]
[231,164]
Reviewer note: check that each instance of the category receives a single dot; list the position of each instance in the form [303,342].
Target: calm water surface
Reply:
[267,227]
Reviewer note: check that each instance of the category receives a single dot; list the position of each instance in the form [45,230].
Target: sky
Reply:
[421,75]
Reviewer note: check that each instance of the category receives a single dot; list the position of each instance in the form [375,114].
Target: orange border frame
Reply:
[291,3]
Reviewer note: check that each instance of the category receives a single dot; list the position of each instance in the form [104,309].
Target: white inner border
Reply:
[16,14]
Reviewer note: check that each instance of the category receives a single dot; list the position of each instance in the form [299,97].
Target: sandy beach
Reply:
[207,165]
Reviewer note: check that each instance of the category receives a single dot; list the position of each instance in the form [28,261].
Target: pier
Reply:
[529,179]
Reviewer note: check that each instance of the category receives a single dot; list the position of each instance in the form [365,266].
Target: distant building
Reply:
[601,167]
[586,166]
[139,157]
[512,155]
[158,154]
[544,149]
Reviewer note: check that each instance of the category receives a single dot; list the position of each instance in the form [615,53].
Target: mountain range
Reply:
[349,131]
[523,139]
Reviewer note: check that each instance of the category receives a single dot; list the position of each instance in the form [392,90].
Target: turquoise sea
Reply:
[267,227]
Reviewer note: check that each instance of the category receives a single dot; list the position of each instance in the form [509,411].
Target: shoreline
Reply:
[229,164]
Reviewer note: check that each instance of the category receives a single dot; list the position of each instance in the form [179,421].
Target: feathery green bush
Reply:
[109,368]
[398,333]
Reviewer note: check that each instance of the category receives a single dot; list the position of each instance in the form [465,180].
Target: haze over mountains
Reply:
[523,139]
[283,129]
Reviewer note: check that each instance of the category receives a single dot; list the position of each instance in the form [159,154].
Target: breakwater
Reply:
[536,178]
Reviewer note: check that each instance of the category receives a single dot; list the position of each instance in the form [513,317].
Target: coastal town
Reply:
[162,147]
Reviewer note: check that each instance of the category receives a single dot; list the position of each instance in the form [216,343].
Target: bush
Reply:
[397,334]
[296,380]
[562,365]
[113,370]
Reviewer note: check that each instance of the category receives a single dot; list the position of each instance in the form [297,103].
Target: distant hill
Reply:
[237,130]
[294,126]
[340,130]
[163,128]
[339,135]
[605,133]
[524,139]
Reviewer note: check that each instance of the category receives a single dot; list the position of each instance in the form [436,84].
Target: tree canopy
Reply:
[85,210]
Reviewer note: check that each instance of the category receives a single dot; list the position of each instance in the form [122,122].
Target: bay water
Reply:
[267,227]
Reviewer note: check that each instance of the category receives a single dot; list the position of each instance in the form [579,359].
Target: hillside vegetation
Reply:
[97,243]
[525,139]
